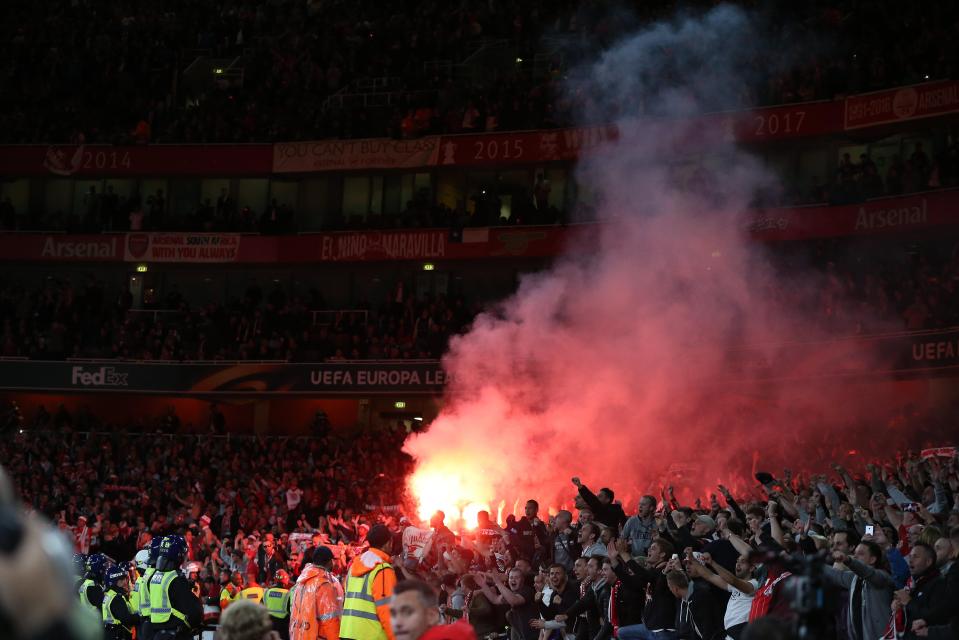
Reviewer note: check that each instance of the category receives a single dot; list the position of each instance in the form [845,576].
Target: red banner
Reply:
[60,248]
[425,245]
[363,246]
[182,247]
[938,452]
[147,161]
[886,215]
[479,150]
[531,147]
[787,121]
[905,103]
[347,155]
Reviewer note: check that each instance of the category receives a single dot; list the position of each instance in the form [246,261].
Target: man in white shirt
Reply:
[293,496]
[415,540]
[740,586]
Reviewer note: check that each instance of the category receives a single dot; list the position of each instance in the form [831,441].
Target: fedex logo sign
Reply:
[102,377]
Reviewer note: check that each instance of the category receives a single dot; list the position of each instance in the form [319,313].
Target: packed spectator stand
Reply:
[251,507]
[854,549]
[89,320]
[119,72]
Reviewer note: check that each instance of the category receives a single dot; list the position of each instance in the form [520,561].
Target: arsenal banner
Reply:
[182,247]
[884,215]
[905,103]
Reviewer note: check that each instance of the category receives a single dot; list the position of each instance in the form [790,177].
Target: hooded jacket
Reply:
[316,606]
[380,587]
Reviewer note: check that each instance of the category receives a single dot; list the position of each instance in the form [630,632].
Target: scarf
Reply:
[613,614]
[899,620]
[583,587]
[467,601]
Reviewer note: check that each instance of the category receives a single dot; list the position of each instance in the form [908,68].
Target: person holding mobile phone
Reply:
[868,585]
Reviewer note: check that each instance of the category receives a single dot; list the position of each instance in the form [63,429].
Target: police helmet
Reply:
[142,559]
[172,553]
[114,575]
[154,550]
[97,565]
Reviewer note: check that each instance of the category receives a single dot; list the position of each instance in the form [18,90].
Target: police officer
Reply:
[142,563]
[277,601]
[174,611]
[91,589]
[231,590]
[119,617]
[252,591]
[142,588]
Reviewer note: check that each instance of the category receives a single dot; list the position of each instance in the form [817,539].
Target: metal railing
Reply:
[327,318]
[320,318]
[156,313]
[340,99]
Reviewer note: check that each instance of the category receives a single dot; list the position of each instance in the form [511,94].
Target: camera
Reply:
[810,598]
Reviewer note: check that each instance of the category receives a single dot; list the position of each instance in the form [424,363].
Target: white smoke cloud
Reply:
[606,365]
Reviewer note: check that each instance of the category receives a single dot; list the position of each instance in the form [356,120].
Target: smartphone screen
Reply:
[869,529]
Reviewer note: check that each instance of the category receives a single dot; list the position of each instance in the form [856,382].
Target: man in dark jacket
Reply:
[268,560]
[625,602]
[560,596]
[605,511]
[590,602]
[697,617]
[529,536]
[563,592]
[927,599]
[659,614]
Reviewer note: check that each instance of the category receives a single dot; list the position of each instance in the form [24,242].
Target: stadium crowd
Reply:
[878,542]
[119,72]
[861,180]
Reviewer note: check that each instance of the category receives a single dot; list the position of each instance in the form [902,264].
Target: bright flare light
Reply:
[439,486]
[470,513]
